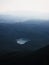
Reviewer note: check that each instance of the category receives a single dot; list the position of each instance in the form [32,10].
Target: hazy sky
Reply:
[23,7]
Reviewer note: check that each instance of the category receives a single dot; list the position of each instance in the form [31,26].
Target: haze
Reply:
[38,9]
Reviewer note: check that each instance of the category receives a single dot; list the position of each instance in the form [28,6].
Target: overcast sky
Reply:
[25,7]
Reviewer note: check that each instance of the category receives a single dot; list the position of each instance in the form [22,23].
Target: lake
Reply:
[22,40]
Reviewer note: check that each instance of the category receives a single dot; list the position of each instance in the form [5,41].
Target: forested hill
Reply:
[38,57]
[38,34]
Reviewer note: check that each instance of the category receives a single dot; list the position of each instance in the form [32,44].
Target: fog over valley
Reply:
[23,35]
[24,32]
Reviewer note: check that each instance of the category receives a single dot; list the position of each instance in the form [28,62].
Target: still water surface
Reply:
[22,41]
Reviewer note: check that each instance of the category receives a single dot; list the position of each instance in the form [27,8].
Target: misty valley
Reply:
[23,37]
[24,32]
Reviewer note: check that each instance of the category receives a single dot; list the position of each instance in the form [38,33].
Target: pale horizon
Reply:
[38,9]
